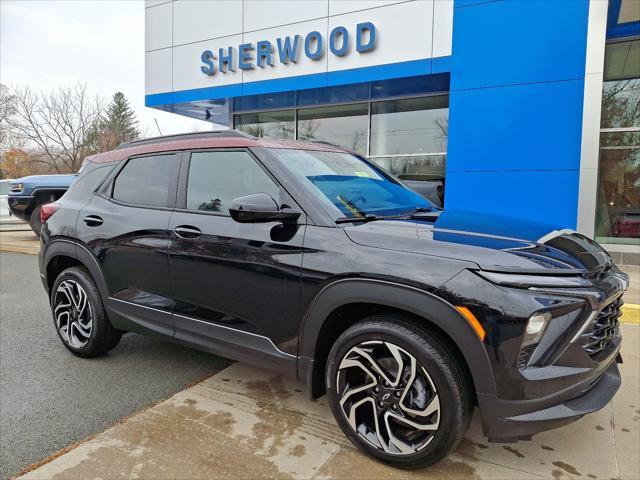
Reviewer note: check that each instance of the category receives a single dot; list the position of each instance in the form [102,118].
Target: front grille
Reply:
[525,355]
[603,329]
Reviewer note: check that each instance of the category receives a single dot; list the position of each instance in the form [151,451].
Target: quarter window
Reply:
[146,181]
[217,178]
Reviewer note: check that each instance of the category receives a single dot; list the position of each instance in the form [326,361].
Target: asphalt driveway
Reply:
[50,399]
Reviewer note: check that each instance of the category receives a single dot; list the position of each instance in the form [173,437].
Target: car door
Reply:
[125,226]
[236,285]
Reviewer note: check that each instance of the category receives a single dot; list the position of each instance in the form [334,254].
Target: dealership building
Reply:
[526,108]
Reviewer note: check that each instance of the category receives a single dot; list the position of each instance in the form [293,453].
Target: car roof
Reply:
[198,140]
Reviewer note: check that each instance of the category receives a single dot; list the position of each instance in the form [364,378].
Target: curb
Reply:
[630,314]
[25,249]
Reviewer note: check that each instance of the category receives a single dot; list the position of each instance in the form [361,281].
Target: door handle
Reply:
[187,231]
[92,220]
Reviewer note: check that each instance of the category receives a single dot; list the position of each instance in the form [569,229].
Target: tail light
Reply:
[47,210]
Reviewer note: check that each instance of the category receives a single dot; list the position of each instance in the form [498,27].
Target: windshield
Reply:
[350,185]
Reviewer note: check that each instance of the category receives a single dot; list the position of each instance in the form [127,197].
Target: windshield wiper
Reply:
[422,210]
[367,218]
[423,213]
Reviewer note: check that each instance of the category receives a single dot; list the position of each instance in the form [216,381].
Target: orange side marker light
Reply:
[473,321]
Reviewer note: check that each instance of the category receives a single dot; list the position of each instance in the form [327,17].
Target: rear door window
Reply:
[147,181]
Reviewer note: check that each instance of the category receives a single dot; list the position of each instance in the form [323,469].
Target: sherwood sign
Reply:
[288,49]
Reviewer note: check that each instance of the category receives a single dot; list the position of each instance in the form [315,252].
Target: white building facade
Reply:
[525,108]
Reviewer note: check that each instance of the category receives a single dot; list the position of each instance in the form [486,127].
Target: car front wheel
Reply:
[397,392]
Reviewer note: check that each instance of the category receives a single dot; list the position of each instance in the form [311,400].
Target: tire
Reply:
[89,334]
[34,221]
[437,393]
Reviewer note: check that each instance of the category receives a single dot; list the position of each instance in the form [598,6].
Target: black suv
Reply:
[309,260]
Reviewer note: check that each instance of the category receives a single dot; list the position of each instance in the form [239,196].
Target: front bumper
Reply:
[568,372]
[507,422]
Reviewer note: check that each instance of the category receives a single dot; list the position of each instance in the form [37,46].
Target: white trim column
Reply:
[594,71]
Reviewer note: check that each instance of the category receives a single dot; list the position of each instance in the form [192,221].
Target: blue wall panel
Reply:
[543,196]
[518,41]
[519,127]
[515,120]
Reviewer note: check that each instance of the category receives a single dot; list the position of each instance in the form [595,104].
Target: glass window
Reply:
[350,186]
[618,214]
[415,167]
[409,126]
[618,206]
[344,125]
[217,178]
[621,90]
[146,180]
[622,60]
[279,124]
[629,11]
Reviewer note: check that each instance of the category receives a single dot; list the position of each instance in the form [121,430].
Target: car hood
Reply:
[32,182]
[492,242]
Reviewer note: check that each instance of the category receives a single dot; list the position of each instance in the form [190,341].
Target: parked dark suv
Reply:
[311,261]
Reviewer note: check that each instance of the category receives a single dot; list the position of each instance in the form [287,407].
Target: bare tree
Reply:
[7,109]
[58,124]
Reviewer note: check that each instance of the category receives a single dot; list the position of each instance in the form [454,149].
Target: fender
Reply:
[73,249]
[419,302]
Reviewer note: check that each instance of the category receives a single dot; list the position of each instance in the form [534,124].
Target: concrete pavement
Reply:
[248,423]
[49,398]
[18,238]
[241,422]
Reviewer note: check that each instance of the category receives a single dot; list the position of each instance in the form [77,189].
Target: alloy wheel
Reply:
[388,398]
[73,314]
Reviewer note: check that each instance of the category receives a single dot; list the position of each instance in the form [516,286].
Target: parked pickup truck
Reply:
[28,194]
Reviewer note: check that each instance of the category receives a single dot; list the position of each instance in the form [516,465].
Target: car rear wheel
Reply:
[79,316]
[398,393]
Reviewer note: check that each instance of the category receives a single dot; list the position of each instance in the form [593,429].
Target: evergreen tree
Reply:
[120,119]
[117,124]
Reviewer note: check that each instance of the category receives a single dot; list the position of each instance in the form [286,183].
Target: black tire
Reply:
[441,365]
[103,337]
[34,221]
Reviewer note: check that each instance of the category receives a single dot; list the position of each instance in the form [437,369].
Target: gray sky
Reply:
[45,44]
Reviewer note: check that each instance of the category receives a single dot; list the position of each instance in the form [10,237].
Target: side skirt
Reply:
[234,344]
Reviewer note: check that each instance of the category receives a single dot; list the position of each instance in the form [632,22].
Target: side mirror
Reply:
[260,207]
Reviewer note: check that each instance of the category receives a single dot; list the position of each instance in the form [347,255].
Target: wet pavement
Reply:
[242,422]
[49,398]
[248,423]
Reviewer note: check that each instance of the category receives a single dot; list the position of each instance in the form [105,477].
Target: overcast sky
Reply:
[45,44]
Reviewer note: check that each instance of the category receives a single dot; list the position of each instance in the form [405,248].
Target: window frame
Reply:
[183,182]
[611,243]
[107,190]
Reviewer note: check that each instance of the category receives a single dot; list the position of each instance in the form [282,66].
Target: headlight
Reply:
[16,187]
[526,281]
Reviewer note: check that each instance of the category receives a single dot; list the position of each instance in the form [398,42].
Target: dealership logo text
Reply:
[288,49]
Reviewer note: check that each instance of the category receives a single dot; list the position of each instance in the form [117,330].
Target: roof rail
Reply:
[186,136]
